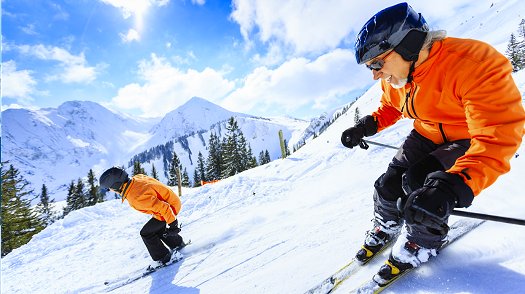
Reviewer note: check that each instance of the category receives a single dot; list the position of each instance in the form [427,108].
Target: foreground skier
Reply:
[145,194]
[469,122]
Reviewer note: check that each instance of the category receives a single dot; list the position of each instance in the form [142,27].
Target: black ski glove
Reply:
[432,204]
[173,228]
[366,126]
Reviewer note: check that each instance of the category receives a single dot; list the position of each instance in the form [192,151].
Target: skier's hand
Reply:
[366,126]
[173,228]
[432,204]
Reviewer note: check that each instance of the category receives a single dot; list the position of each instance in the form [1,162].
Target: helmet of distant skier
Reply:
[398,27]
[113,178]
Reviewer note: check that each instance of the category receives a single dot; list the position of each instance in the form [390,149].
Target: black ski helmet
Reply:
[398,27]
[113,178]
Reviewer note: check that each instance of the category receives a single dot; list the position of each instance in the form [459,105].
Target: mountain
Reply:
[182,120]
[278,228]
[55,146]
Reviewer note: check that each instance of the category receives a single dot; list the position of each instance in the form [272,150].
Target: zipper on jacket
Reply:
[412,102]
[407,98]
[445,140]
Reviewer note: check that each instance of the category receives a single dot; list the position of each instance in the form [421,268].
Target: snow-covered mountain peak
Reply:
[196,114]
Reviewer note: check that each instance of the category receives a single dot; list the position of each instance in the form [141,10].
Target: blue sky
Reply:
[147,57]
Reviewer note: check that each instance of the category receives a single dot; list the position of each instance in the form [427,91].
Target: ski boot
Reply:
[405,255]
[375,241]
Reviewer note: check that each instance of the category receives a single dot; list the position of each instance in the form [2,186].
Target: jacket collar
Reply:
[125,189]
[423,69]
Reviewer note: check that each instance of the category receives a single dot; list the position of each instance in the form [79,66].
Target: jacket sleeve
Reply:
[495,119]
[387,114]
[160,209]
[170,203]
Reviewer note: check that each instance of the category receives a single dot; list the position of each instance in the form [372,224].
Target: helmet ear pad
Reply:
[411,44]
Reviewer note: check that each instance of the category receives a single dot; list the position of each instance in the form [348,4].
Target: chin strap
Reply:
[410,77]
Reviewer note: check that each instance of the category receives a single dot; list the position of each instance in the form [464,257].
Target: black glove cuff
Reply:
[464,195]
[369,125]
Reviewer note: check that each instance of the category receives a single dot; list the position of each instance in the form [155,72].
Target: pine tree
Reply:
[79,195]
[244,156]
[19,222]
[154,173]
[357,115]
[185,179]
[286,150]
[231,157]
[514,53]
[521,30]
[172,173]
[214,160]
[261,158]
[252,160]
[521,42]
[45,207]
[196,179]
[200,170]
[137,168]
[93,195]
[69,199]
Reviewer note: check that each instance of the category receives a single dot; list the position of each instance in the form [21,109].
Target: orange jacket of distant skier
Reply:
[150,196]
[464,90]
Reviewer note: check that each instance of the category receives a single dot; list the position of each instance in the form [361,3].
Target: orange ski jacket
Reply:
[150,196]
[464,90]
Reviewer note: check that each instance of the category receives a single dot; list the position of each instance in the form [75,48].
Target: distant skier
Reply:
[145,194]
[469,122]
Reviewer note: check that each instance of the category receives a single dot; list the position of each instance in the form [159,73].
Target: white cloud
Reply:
[74,68]
[305,26]
[317,26]
[132,35]
[167,87]
[17,84]
[299,82]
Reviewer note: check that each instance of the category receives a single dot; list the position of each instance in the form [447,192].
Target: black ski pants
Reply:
[158,239]
[415,159]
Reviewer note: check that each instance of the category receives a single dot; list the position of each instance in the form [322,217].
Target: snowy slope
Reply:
[284,226]
[278,228]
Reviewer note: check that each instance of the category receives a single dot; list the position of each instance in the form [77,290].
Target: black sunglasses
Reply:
[379,63]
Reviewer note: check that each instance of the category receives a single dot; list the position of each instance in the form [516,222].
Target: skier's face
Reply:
[390,67]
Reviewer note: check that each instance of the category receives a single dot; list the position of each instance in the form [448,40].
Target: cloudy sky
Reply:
[147,57]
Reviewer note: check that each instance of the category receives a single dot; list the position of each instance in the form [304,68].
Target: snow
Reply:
[277,228]
[284,226]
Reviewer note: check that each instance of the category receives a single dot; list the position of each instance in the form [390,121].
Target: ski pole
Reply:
[489,217]
[363,144]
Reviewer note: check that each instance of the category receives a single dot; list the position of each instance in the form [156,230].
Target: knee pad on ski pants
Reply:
[388,185]
[399,181]
[415,176]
